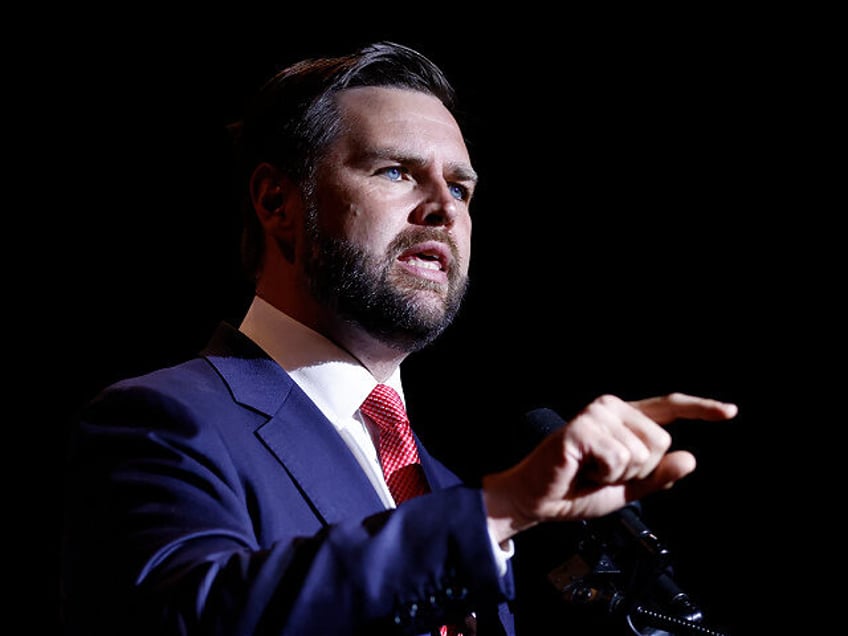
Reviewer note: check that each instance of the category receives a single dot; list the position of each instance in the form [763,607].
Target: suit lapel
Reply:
[317,458]
[297,433]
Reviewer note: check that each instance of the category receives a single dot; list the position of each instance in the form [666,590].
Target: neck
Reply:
[375,355]
[380,359]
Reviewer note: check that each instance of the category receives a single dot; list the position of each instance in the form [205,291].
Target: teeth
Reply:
[427,264]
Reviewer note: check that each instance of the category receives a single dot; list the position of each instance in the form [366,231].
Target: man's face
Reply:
[393,230]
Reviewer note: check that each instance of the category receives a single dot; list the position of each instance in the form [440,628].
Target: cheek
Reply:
[348,211]
[337,205]
[345,219]
[367,229]
[336,220]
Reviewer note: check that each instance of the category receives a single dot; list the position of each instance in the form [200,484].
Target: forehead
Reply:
[400,117]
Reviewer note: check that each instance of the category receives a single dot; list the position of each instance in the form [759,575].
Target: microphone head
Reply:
[541,422]
[516,441]
[537,425]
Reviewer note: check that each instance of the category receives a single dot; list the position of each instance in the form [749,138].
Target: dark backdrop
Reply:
[636,232]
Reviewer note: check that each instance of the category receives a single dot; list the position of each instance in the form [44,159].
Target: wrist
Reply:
[503,517]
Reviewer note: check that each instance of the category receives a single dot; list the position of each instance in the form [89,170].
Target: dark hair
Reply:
[294,118]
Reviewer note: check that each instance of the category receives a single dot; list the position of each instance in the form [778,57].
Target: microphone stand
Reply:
[623,570]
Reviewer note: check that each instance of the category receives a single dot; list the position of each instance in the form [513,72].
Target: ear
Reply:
[271,195]
[277,204]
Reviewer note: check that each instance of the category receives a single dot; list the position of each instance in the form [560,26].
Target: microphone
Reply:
[537,425]
[620,560]
[620,527]
[626,528]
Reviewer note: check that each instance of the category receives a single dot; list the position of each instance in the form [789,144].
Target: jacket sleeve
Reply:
[166,535]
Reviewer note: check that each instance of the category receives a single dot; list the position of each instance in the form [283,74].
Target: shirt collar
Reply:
[335,380]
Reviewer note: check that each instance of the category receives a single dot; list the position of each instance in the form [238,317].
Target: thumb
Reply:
[673,467]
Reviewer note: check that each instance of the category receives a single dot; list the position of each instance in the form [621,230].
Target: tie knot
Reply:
[384,406]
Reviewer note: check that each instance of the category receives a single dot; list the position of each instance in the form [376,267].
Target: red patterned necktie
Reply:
[398,452]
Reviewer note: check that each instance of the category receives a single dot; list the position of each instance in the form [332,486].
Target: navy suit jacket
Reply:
[213,497]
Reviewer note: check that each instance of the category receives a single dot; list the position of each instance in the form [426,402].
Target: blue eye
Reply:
[459,192]
[394,173]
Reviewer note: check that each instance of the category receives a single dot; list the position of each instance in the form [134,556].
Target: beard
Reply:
[362,289]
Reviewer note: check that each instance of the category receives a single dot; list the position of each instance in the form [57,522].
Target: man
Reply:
[242,492]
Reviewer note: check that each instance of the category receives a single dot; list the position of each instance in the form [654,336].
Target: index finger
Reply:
[667,408]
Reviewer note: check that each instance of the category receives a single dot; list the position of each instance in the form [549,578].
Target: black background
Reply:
[646,222]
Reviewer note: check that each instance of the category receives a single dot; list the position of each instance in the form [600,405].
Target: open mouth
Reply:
[430,259]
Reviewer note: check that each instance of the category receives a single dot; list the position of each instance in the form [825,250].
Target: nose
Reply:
[438,205]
